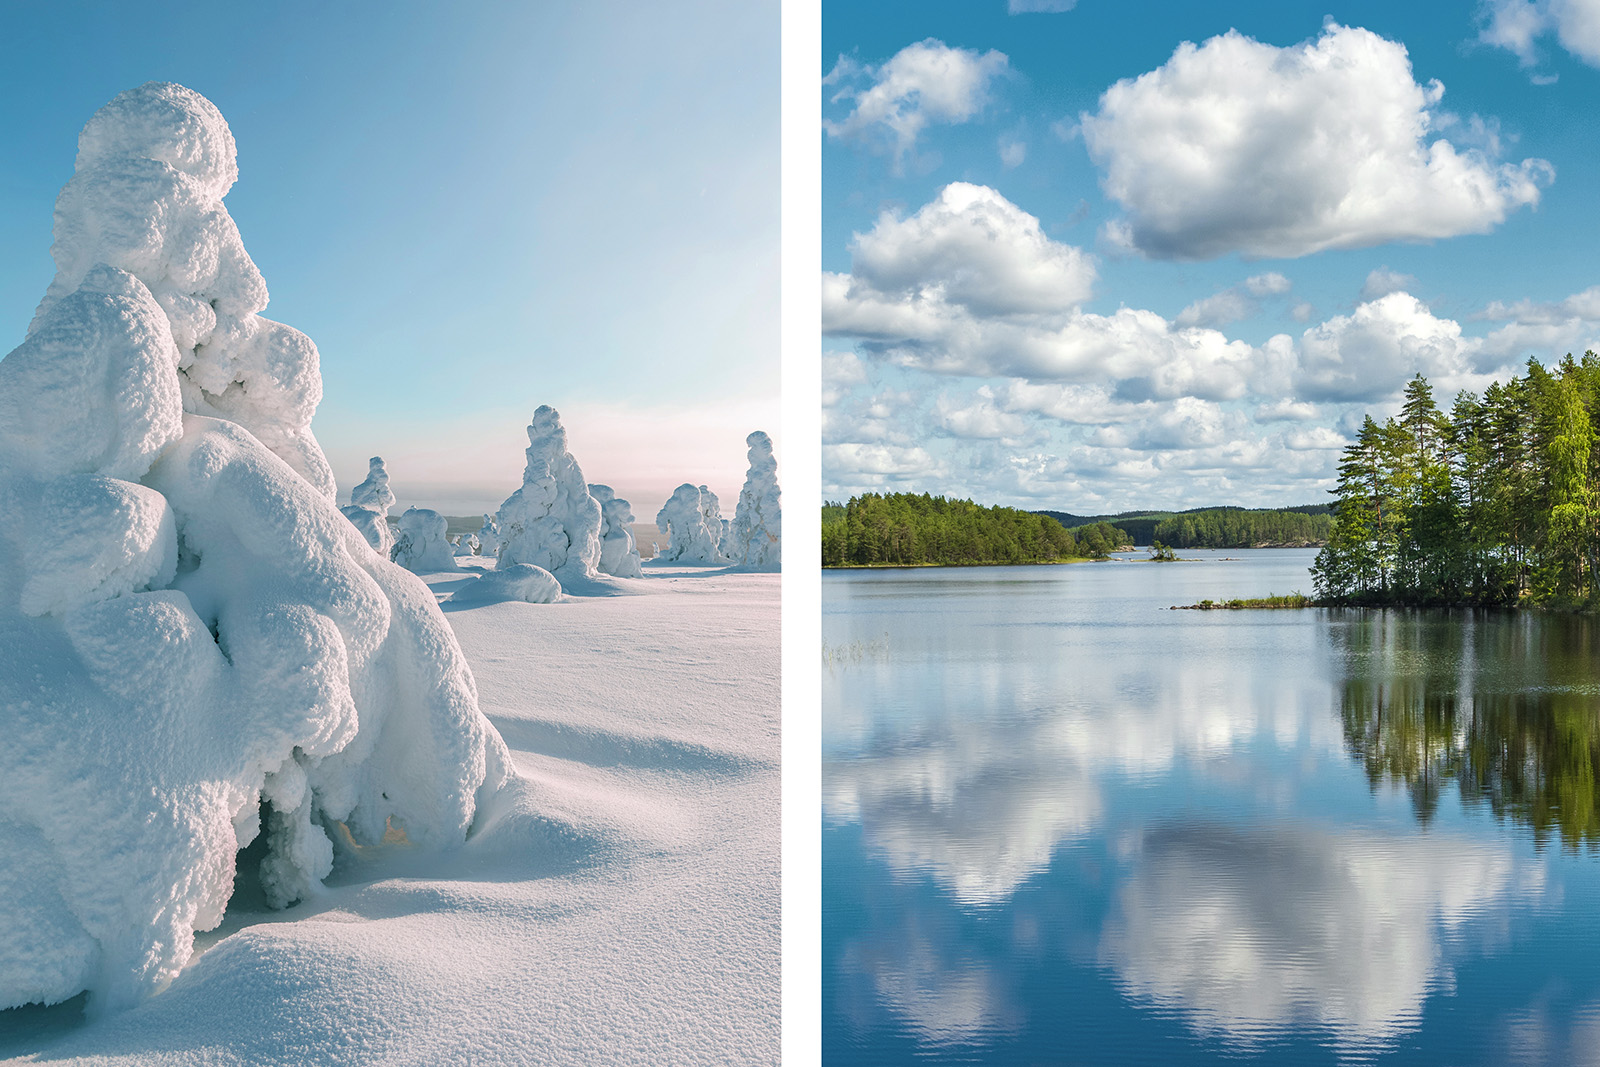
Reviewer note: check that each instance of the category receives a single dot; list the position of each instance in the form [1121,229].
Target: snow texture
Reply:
[619,554]
[692,520]
[421,546]
[753,539]
[551,522]
[369,506]
[207,651]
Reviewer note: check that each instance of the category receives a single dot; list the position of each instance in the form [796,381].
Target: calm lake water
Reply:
[1063,824]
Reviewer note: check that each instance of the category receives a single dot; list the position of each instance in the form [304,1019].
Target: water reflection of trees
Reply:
[1502,707]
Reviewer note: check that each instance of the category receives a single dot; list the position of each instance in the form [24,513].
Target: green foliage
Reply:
[906,529]
[1494,503]
[1218,527]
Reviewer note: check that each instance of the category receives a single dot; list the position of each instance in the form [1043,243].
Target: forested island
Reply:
[1492,504]
[904,529]
[1300,527]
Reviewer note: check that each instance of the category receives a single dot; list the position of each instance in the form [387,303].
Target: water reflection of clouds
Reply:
[979,795]
[1252,934]
[922,972]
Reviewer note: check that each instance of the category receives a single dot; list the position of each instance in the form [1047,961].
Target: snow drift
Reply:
[551,522]
[753,539]
[619,554]
[208,651]
[692,519]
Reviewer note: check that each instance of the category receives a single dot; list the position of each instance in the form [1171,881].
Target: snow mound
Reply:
[466,544]
[520,581]
[368,510]
[692,519]
[146,198]
[753,539]
[421,546]
[619,554]
[551,522]
[206,651]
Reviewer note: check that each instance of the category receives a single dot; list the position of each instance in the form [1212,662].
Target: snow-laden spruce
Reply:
[368,510]
[422,544]
[489,537]
[619,553]
[551,522]
[692,520]
[753,539]
[207,651]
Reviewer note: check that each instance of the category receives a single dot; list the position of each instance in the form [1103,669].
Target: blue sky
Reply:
[472,209]
[1072,262]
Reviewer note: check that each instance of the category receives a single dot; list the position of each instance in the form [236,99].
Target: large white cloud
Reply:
[1237,145]
[924,83]
[1366,355]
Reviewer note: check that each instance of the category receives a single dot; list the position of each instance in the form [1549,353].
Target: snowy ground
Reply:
[619,907]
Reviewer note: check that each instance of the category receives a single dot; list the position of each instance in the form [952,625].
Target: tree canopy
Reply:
[906,529]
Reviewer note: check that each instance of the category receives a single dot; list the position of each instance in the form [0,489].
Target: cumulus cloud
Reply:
[1368,354]
[923,84]
[1013,152]
[880,465]
[1516,25]
[1236,145]
[973,249]
[979,417]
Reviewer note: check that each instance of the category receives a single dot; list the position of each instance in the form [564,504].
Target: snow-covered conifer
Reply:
[208,652]
[619,553]
[551,522]
[692,520]
[757,523]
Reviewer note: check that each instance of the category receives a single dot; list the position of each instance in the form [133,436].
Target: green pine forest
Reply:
[1492,503]
[1220,527]
[904,529]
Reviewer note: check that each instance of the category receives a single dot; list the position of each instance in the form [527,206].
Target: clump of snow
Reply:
[551,522]
[421,545]
[466,544]
[368,510]
[520,581]
[692,520]
[753,539]
[619,554]
[205,641]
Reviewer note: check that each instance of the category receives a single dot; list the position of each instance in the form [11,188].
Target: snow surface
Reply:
[753,539]
[619,554]
[207,655]
[692,520]
[551,522]
[617,904]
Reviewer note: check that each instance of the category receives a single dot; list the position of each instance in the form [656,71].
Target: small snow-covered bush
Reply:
[754,538]
[692,519]
[619,554]
[551,522]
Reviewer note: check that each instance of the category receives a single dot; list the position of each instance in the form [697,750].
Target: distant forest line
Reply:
[1218,527]
[1495,503]
[906,529]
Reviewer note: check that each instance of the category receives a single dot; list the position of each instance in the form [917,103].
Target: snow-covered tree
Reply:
[421,545]
[368,510]
[209,652]
[619,553]
[551,522]
[692,520]
[757,523]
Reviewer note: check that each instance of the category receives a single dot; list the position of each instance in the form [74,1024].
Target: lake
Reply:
[1064,824]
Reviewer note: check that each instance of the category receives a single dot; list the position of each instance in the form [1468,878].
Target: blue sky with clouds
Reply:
[1108,256]
[472,209]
